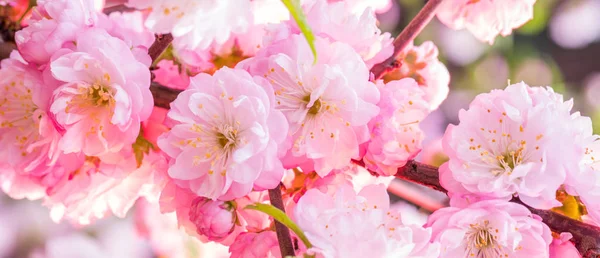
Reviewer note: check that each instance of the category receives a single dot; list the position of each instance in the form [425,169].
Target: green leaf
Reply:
[141,147]
[280,216]
[296,11]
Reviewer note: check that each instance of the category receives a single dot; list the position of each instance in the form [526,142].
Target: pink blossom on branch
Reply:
[219,19]
[486,19]
[513,141]
[334,224]
[100,103]
[338,21]
[28,136]
[422,64]
[225,136]
[54,24]
[492,228]
[213,219]
[327,105]
[395,133]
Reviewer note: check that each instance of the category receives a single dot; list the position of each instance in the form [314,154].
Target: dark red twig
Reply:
[408,34]
[283,233]
[159,46]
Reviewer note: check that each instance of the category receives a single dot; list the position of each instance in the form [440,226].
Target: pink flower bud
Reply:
[213,219]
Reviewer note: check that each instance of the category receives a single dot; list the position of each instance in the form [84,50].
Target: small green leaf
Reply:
[296,11]
[141,147]
[278,215]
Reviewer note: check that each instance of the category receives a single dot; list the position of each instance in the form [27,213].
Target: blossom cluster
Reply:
[258,112]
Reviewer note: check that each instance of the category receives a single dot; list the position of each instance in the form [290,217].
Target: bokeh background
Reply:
[560,48]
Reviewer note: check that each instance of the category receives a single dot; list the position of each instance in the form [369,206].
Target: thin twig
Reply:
[283,233]
[117,8]
[160,44]
[408,34]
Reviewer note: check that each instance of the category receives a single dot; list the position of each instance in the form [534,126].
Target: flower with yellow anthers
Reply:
[100,102]
[521,140]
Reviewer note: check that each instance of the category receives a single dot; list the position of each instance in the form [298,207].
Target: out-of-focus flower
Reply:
[219,19]
[517,140]
[110,184]
[574,25]
[561,247]
[327,105]
[27,134]
[491,228]
[167,239]
[100,104]
[486,19]
[71,246]
[225,137]
[395,133]
[421,63]
[213,219]
[325,220]
[256,245]
[459,47]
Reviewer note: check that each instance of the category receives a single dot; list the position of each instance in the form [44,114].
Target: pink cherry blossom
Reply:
[167,239]
[486,19]
[585,181]
[422,64]
[327,105]
[325,220]
[338,22]
[101,103]
[513,141]
[563,248]
[54,24]
[491,228]
[206,228]
[219,18]
[213,219]
[225,136]
[256,245]
[128,26]
[395,133]
[28,136]
[109,184]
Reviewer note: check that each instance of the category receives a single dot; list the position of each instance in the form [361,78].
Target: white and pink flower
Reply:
[100,103]
[327,105]
[325,220]
[492,228]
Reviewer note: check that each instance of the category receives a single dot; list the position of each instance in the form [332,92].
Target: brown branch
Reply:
[163,96]
[283,233]
[160,44]
[408,34]
[585,236]
[117,8]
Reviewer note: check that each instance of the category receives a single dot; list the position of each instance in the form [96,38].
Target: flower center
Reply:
[315,108]
[96,95]
[227,137]
[481,243]
[511,159]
